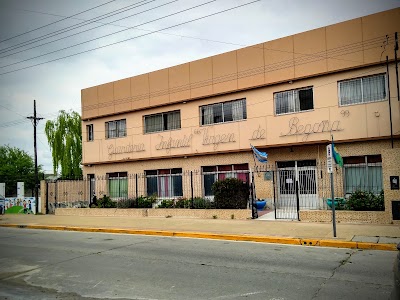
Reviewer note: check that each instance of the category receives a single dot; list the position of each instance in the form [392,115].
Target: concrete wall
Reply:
[344,216]
[241,214]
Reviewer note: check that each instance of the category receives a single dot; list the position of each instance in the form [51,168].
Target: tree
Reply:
[17,166]
[64,136]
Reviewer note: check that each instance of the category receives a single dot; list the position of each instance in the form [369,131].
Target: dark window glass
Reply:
[306,99]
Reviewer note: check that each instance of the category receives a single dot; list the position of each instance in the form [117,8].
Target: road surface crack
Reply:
[341,263]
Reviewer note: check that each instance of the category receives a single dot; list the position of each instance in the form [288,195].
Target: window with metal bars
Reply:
[362,90]
[223,112]
[115,129]
[162,122]
[294,101]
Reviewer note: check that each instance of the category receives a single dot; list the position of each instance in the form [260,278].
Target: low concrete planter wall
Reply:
[101,212]
[241,214]
[345,216]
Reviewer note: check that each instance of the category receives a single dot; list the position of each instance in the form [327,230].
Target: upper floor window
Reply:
[89,132]
[294,101]
[115,129]
[362,90]
[162,122]
[223,112]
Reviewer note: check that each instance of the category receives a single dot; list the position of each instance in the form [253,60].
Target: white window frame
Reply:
[295,104]
[362,90]
[163,115]
[234,119]
[116,125]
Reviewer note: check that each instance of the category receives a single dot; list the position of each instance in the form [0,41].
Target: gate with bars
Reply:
[293,186]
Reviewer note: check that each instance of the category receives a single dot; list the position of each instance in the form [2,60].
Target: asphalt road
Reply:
[38,264]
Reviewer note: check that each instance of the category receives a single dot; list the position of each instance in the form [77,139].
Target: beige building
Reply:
[287,97]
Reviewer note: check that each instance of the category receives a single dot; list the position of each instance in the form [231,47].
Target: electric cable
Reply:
[80,32]
[69,28]
[122,41]
[52,23]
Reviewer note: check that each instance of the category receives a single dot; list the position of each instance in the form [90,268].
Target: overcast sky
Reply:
[25,74]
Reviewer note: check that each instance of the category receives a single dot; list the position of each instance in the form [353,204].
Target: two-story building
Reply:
[158,132]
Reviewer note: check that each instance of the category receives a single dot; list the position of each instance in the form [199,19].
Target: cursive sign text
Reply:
[295,128]
[217,139]
[168,144]
[125,149]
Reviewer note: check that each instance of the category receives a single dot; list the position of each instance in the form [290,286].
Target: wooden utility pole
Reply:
[35,120]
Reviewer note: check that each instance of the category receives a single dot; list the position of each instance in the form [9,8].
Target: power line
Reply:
[72,27]
[12,110]
[247,73]
[122,41]
[77,33]
[110,34]
[69,17]
[122,26]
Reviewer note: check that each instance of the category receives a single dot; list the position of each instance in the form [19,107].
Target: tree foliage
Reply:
[64,136]
[16,165]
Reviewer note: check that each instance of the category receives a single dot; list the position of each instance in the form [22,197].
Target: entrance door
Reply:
[292,173]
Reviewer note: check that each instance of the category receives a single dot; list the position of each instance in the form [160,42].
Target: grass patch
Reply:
[15,210]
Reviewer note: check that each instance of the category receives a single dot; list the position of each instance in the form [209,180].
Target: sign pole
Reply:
[329,160]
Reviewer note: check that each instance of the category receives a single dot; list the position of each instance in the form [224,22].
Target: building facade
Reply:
[287,97]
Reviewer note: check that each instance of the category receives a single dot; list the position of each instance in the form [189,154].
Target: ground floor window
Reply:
[118,184]
[165,183]
[212,174]
[363,173]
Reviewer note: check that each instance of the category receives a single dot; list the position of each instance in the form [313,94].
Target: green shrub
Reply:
[126,203]
[201,203]
[166,204]
[231,193]
[106,202]
[146,201]
[182,203]
[366,201]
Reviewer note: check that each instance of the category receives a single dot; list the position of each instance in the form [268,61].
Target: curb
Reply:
[217,236]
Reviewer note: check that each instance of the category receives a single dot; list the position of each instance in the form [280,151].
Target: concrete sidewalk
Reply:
[363,236]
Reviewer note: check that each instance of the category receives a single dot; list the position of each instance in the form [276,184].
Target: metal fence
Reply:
[287,187]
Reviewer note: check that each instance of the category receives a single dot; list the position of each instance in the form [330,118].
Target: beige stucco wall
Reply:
[261,128]
[328,49]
